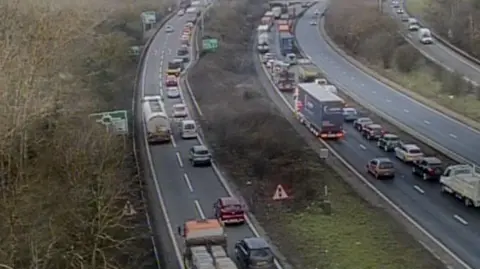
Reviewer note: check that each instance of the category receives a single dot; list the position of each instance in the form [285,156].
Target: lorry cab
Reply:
[188,129]
[291,58]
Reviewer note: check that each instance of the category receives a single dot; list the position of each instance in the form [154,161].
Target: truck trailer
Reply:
[320,110]
[205,243]
[262,42]
[462,181]
[156,120]
[286,43]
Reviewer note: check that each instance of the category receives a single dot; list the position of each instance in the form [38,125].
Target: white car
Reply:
[169,29]
[173,92]
[313,22]
[180,111]
[181,12]
[400,11]
[408,152]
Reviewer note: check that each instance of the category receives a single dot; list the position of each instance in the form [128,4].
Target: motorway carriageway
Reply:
[440,54]
[188,192]
[444,217]
[450,134]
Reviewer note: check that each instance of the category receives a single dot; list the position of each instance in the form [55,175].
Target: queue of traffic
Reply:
[205,239]
[319,107]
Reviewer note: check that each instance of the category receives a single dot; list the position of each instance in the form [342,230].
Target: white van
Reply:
[425,36]
[189,129]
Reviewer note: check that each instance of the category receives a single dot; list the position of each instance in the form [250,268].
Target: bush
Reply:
[406,58]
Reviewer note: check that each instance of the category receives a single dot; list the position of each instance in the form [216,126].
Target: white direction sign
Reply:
[114,121]
[280,193]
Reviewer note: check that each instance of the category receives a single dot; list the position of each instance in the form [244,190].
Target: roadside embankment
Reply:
[258,149]
[379,47]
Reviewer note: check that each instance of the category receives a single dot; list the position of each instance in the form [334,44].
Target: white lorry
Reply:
[262,42]
[462,181]
[155,119]
[413,24]
[277,12]
[425,36]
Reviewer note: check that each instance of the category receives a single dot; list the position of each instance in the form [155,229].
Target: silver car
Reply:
[199,155]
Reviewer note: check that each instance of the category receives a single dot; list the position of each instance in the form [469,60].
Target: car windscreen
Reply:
[182,52]
[414,151]
[173,65]
[189,126]
[386,165]
[201,152]
[180,108]
[232,208]
[392,139]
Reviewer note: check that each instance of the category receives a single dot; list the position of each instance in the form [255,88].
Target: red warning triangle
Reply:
[280,193]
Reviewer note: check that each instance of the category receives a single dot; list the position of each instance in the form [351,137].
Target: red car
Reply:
[171,81]
[229,210]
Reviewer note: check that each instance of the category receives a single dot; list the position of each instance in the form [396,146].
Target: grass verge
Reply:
[256,144]
[385,52]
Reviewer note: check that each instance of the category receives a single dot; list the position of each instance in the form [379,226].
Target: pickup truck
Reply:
[462,181]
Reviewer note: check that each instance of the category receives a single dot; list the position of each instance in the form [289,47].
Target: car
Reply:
[313,22]
[199,155]
[388,142]
[381,167]
[361,122]
[183,51]
[189,24]
[408,152]
[181,12]
[350,114]
[317,12]
[254,252]
[169,29]
[179,111]
[229,210]
[268,56]
[171,81]
[405,18]
[173,92]
[400,11]
[372,131]
[396,4]
[428,168]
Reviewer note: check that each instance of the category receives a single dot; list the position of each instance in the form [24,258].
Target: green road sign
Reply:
[210,44]
[114,121]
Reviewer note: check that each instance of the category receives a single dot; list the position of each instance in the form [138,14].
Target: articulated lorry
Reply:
[462,181]
[262,42]
[205,245]
[286,43]
[283,77]
[156,120]
[320,110]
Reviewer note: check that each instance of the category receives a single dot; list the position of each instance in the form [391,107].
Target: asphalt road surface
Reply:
[444,55]
[441,216]
[441,129]
[188,192]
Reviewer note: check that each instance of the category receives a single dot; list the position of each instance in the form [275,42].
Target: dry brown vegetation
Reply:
[259,148]
[372,38]
[457,21]
[64,180]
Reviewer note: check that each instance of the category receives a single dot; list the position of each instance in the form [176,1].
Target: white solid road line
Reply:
[198,207]
[363,147]
[187,180]
[426,122]
[417,188]
[179,159]
[460,219]
[173,141]
[453,136]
